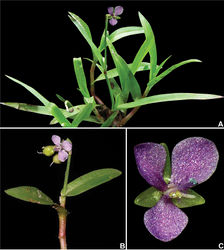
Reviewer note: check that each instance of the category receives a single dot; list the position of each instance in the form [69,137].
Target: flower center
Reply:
[173,192]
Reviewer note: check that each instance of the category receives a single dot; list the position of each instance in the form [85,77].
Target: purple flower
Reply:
[114,13]
[62,147]
[194,160]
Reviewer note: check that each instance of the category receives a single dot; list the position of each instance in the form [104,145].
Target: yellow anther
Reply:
[176,194]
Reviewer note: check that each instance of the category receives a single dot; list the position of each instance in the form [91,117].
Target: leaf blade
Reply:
[91,180]
[82,27]
[80,76]
[121,33]
[167,98]
[30,194]
[127,79]
[169,70]
[150,40]
[113,72]
[31,90]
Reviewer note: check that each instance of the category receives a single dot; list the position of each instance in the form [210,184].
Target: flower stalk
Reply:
[62,212]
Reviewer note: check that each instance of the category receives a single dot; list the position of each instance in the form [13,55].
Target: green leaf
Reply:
[91,118]
[30,194]
[167,98]
[127,79]
[148,198]
[189,202]
[113,72]
[120,33]
[91,180]
[110,119]
[161,65]
[58,115]
[167,169]
[80,76]
[31,90]
[60,98]
[150,41]
[54,110]
[144,49]
[169,70]
[84,29]
[85,112]
[28,107]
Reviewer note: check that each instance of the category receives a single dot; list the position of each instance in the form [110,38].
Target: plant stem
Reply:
[62,212]
[63,192]
[62,229]
[105,63]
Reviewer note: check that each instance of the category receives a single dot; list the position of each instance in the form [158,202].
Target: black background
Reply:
[97,217]
[39,42]
[205,222]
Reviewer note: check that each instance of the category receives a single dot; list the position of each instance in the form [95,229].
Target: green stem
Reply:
[63,192]
[105,63]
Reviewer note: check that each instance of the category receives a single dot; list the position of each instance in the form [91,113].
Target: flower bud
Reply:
[56,160]
[48,150]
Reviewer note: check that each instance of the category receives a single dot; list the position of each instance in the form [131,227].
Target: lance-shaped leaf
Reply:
[189,202]
[84,29]
[161,65]
[169,70]
[120,33]
[52,107]
[127,79]
[142,52]
[148,198]
[30,194]
[85,113]
[45,111]
[113,72]
[31,90]
[167,169]
[150,41]
[167,98]
[80,76]
[91,180]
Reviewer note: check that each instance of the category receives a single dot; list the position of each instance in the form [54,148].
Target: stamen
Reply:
[190,196]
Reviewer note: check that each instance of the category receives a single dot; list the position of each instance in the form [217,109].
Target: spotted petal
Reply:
[118,10]
[165,221]
[150,159]
[113,21]
[66,145]
[62,155]
[110,10]
[56,139]
[194,160]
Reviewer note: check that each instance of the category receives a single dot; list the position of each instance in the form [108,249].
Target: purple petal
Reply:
[194,158]
[113,21]
[66,145]
[118,10]
[165,221]
[56,139]
[62,155]
[110,10]
[150,159]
